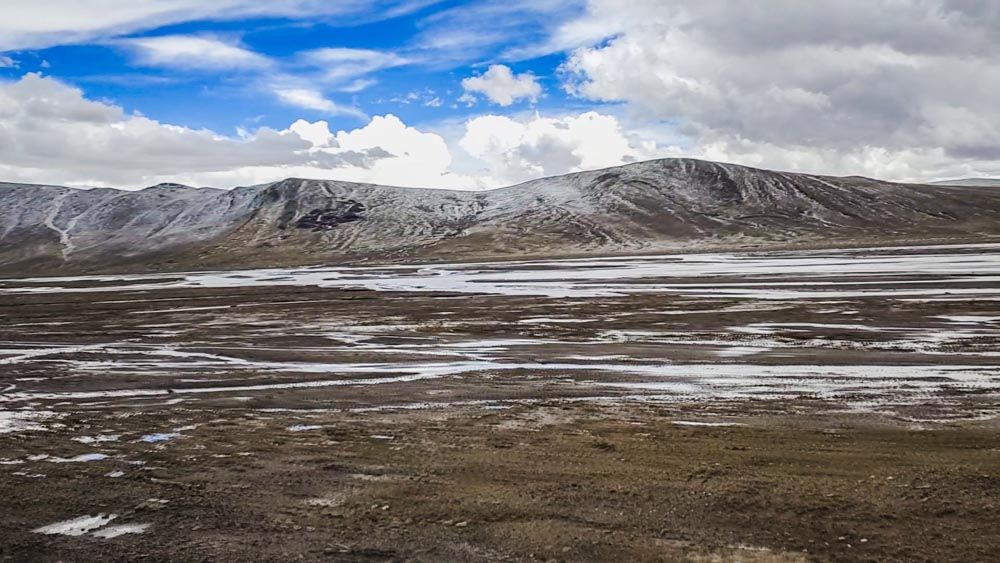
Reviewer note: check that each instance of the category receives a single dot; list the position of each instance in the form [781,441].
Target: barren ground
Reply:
[813,407]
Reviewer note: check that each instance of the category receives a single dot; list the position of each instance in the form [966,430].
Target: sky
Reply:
[481,94]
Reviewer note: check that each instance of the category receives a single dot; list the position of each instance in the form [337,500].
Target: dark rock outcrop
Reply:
[344,211]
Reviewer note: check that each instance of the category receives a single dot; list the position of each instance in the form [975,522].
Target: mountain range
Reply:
[655,206]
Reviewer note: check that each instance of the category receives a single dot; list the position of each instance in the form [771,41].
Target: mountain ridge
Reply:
[651,206]
[980,182]
[518,184]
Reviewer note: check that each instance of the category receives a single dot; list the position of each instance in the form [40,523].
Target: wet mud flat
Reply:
[834,405]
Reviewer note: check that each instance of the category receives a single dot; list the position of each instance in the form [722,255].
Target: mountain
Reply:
[650,206]
[983,182]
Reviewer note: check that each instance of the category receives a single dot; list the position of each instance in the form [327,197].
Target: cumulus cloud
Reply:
[194,52]
[502,86]
[385,151]
[51,133]
[824,82]
[914,164]
[7,62]
[522,149]
[420,158]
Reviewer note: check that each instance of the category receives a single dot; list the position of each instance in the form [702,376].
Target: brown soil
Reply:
[547,482]
[484,465]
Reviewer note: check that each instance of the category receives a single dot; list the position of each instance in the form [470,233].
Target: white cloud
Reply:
[358,85]
[339,64]
[194,52]
[502,86]
[900,88]
[517,150]
[426,97]
[298,85]
[420,159]
[479,30]
[7,62]
[51,133]
[343,69]
[199,52]
[30,24]
[916,165]
[385,151]
[312,99]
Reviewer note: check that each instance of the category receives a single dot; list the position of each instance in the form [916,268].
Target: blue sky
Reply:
[223,99]
[478,94]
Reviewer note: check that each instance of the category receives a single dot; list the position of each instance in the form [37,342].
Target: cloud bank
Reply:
[51,133]
[904,88]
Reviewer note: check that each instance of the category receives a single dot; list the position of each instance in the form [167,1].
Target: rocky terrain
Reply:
[654,206]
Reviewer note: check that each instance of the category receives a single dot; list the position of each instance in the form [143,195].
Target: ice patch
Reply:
[854,382]
[82,458]
[596,358]
[615,276]
[549,320]
[115,531]
[97,439]
[303,427]
[76,526]
[771,328]
[23,421]
[693,380]
[22,355]
[741,351]
[711,424]
[330,502]
[181,310]
[96,526]
[969,319]
[156,438]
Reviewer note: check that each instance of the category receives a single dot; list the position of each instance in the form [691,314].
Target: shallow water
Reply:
[949,265]
[842,325]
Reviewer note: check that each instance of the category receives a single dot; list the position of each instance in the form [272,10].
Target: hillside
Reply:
[651,206]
